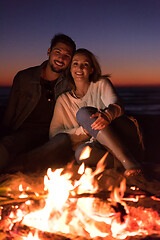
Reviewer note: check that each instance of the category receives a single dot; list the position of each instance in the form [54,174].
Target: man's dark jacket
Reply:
[25,94]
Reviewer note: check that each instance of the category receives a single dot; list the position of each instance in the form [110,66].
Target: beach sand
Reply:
[150,126]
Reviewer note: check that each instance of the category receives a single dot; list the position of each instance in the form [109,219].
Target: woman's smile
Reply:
[81,67]
[79,73]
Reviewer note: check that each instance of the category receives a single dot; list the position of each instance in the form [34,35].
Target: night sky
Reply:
[123,34]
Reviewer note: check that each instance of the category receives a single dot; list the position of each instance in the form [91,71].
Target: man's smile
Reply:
[60,64]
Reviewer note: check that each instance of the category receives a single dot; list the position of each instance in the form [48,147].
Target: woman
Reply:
[92,109]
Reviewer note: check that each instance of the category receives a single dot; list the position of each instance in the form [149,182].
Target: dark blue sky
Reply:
[123,34]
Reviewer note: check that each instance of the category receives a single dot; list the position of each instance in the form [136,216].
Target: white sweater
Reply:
[100,95]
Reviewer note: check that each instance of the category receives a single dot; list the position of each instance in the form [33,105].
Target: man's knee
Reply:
[61,139]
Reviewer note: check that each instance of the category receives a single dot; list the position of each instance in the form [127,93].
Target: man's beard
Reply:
[54,69]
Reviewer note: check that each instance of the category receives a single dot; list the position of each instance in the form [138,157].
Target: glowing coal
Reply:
[74,206]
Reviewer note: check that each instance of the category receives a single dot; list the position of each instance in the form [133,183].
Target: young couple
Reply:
[88,108]
[92,114]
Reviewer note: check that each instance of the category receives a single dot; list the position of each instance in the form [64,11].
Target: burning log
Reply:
[22,232]
[77,209]
[17,201]
[104,195]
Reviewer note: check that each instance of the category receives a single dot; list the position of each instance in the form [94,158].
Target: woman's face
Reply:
[81,67]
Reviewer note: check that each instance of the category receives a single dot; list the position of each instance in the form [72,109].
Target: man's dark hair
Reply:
[63,39]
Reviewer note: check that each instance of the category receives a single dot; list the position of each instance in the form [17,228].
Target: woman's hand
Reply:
[86,132]
[101,122]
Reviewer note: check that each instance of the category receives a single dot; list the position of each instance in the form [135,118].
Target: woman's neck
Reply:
[81,89]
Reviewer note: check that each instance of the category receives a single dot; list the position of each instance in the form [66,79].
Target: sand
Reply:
[150,126]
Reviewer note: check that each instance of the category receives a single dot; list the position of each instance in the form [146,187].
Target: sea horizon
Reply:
[136,99]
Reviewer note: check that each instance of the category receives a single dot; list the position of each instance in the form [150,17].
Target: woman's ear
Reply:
[92,70]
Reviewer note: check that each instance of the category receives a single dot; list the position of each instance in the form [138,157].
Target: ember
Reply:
[78,205]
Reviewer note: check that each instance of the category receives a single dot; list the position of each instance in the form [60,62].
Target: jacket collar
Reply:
[37,73]
[44,64]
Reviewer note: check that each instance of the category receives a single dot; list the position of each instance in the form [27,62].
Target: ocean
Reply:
[137,100]
[141,100]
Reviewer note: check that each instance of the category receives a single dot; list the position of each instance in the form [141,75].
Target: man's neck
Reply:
[49,75]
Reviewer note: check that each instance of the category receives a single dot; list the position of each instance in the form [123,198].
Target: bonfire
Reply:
[77,203]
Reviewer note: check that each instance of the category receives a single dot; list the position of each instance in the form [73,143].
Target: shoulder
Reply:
[102,81]
[31,71]
[64,97]
[105,79]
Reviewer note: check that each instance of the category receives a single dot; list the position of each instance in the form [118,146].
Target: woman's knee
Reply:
[84,119]
[85,113]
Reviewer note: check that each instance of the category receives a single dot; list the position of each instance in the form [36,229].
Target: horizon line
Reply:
[115,85]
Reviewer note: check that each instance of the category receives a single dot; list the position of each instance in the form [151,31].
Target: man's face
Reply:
[60,57]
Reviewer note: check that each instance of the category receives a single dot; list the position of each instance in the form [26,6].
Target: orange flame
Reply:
[70,206]
[85,153]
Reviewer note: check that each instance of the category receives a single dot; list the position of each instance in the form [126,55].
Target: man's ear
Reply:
[49,51]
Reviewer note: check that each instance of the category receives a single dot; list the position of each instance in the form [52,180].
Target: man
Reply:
[32,99]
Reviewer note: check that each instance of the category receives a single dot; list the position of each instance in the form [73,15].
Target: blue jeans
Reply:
[125,130]
[83,118]
[98,151]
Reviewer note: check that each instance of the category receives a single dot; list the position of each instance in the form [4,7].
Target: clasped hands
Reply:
[101,122]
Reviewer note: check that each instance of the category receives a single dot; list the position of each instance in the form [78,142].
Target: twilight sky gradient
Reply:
[123,34]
